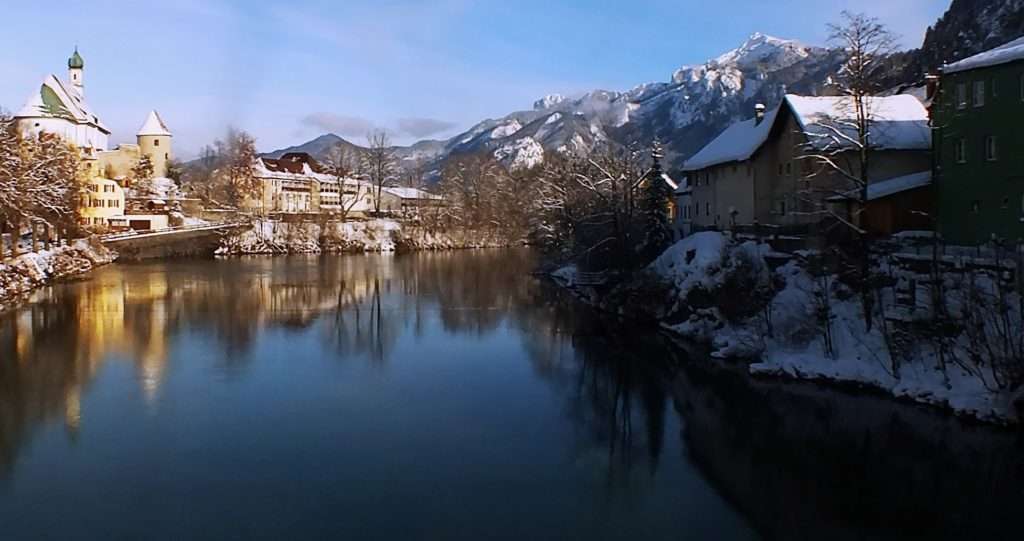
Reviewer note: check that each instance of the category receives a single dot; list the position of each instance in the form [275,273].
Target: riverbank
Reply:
[749,304]
[268,237]
[24,274]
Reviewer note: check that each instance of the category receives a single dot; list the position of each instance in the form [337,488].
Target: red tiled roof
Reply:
[291,162]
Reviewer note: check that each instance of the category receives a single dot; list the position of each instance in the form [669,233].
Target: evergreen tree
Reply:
[142,176]
[174,170]
[654,204]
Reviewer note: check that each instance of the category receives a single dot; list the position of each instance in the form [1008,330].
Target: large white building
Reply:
[60,108]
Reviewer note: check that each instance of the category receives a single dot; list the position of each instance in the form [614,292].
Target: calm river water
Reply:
[441,396]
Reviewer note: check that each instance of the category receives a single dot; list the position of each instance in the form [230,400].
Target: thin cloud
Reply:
[423,127]
[351,126]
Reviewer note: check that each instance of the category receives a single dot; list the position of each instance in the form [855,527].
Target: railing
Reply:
[176,229]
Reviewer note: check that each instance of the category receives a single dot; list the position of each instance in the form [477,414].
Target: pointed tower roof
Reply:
[76,62]
[154,125]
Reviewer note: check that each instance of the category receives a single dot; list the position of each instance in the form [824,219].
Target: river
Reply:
[441,396]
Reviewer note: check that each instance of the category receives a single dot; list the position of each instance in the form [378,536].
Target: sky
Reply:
[290,71]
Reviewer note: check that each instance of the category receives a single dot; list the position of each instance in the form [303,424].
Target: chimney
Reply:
[932,86]
[759,110]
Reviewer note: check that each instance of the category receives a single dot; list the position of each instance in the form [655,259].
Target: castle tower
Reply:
[155,141]
[76,67]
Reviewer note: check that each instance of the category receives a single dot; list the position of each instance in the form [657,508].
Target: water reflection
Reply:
[52,348]
[796,461]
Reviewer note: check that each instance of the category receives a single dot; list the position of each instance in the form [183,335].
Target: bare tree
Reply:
[345,166]
[40,182]
[380,165]
[469,186]
[236,176]
[839,146]
[199,176]
[414,175]
[592,203]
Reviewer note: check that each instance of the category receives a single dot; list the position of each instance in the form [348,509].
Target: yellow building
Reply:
[59,107]
[153,140]
[103,199]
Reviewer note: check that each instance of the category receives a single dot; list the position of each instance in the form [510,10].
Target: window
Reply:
[782,208]
[780,169]
[991,148]
[995,88]
[979,93]
[156,142]
[707,208]
[789,168]
[960,151]
[1006,203]
[961,96]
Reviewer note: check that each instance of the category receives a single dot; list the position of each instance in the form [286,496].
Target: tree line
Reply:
[40,186]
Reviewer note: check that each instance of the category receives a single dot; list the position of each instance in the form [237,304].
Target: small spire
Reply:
[76,62]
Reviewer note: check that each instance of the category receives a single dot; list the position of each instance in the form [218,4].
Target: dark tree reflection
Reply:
[800,462]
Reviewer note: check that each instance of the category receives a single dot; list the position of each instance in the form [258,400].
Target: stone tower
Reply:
[76,67]
[155,141]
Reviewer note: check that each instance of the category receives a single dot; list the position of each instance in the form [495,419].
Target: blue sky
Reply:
[287,72]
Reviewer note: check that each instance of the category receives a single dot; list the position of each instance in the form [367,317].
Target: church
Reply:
[59,107]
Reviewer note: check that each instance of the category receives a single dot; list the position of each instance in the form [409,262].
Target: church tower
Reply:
[155,141]
[76,67]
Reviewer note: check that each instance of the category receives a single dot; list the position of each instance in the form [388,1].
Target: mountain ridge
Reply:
[698,101]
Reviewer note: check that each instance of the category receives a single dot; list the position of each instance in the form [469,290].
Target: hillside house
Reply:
[979,146]
[756,172]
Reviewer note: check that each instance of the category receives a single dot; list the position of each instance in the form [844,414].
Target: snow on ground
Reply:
[709,274]
[380,235]
[29,271]
[861,357]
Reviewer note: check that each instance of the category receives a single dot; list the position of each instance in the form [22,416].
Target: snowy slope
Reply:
[695,104]
[698,102]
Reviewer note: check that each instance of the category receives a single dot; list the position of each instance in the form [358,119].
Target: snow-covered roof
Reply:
[893,186]
[898,122]
[411,193]
[668,180]
[885,188]
[737,143]
[54,100]
[1005,53]
[154,125]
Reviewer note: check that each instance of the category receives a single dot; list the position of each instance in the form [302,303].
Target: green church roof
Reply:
[76,62]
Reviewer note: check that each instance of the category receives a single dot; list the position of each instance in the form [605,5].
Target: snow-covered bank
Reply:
[275,237]
[727,295]
[27,272]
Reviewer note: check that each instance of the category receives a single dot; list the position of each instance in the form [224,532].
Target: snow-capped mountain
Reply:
[684,112]
[699,101]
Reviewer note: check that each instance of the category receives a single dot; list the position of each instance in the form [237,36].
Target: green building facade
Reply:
[978,122]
